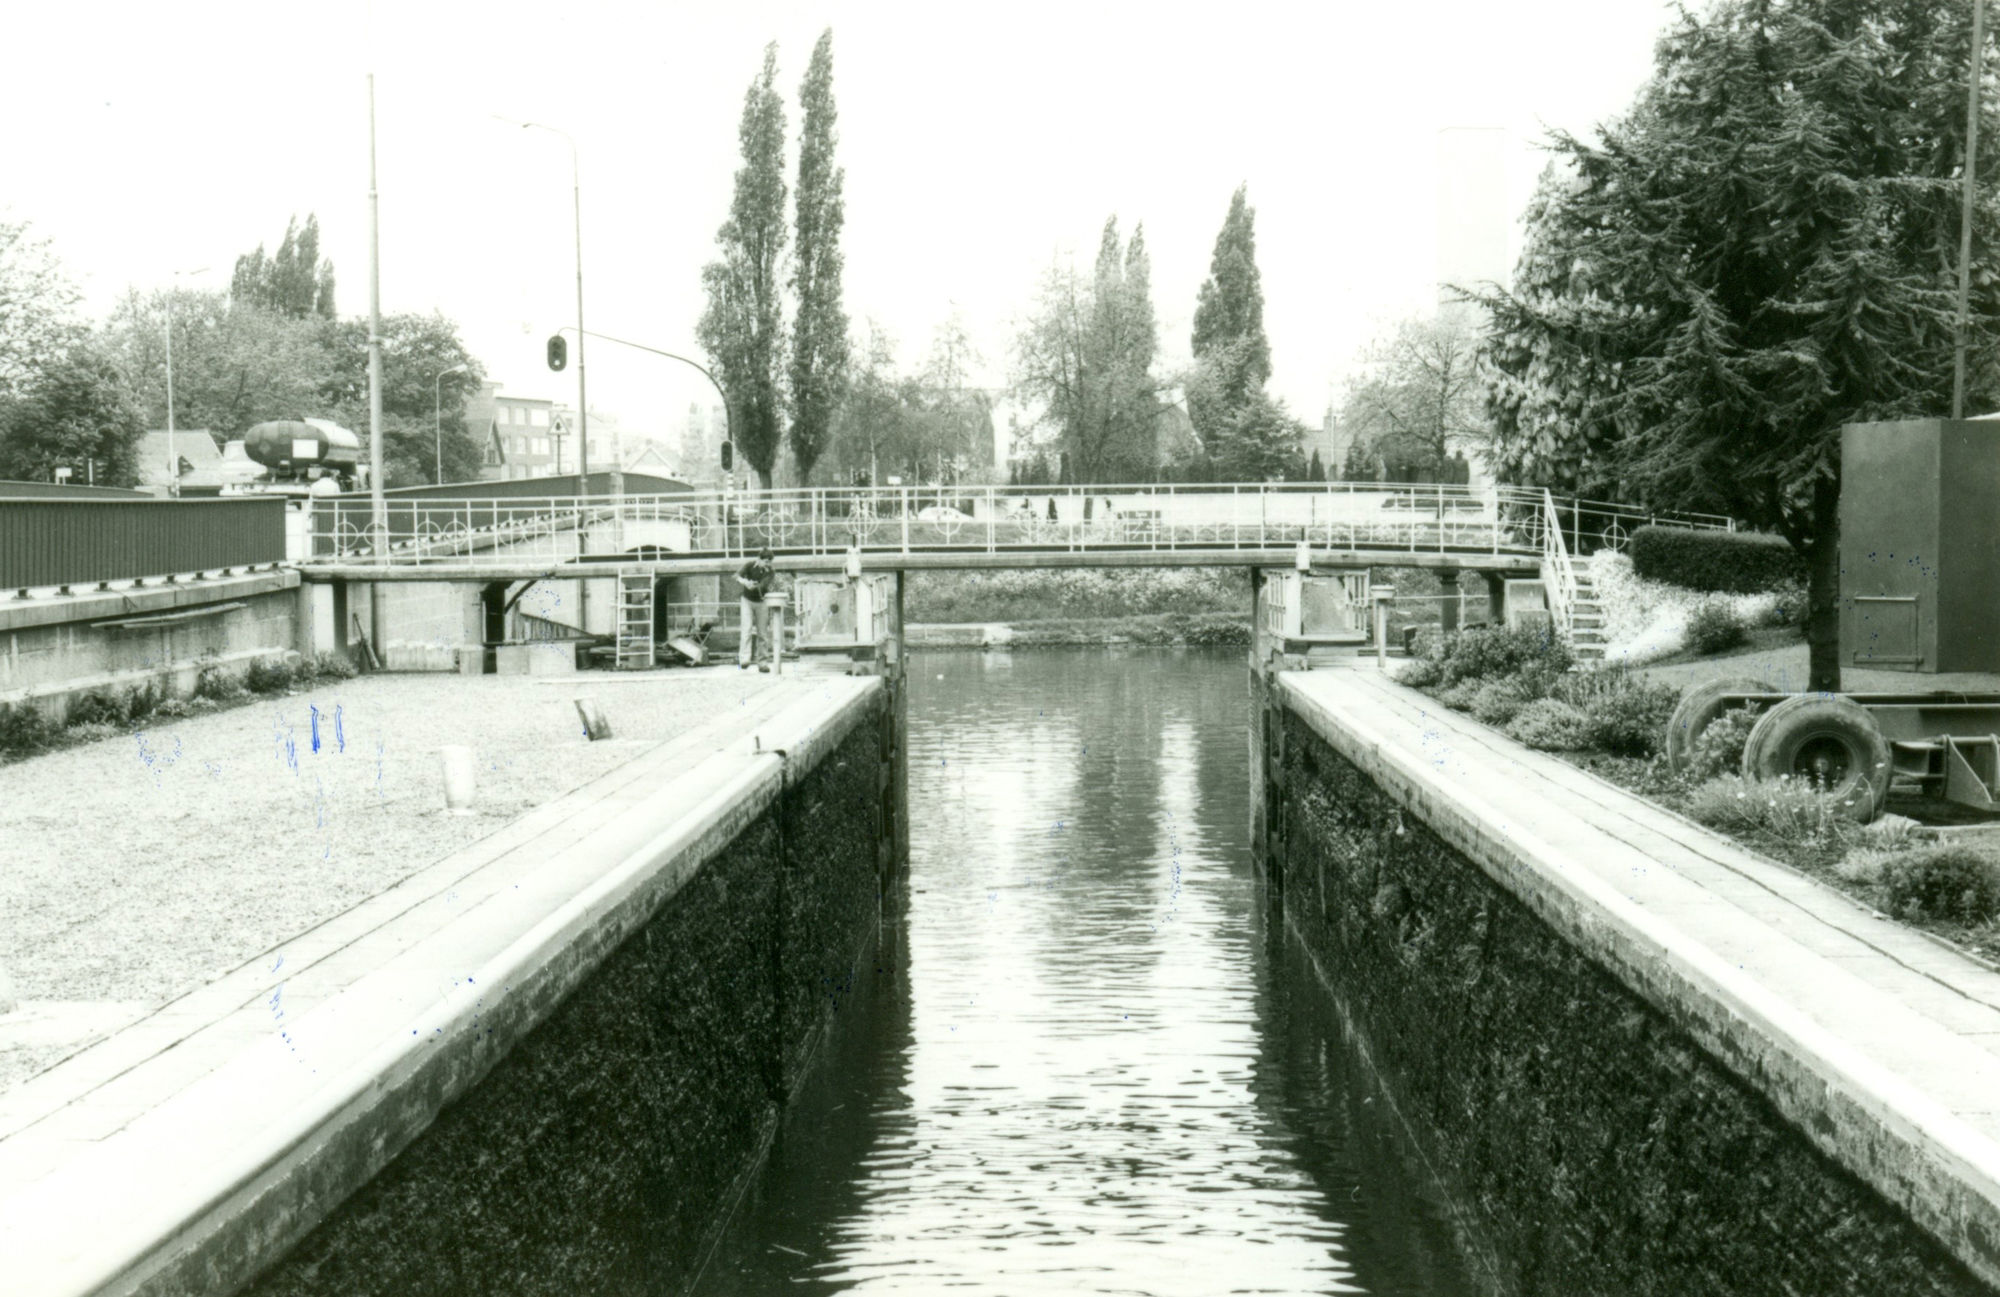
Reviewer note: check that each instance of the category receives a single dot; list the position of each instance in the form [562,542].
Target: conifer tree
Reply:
[819,329]
[742,328]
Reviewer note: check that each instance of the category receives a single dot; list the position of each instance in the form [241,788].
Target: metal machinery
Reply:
[1920,592]
[305,450]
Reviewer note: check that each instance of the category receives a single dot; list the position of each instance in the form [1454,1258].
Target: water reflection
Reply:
[1077,1073]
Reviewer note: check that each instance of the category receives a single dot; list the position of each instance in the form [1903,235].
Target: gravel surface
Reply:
[139,867]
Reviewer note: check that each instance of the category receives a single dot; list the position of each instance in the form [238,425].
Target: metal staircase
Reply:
[635,618]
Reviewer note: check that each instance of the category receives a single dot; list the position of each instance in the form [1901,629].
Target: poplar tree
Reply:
[1229,341]
[1762,250]
[295,282]
[742,329]
[819,330]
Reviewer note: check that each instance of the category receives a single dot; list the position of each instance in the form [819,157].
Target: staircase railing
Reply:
[1558,571]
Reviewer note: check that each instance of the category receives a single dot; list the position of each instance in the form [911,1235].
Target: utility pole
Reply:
[379,506]
[1976,72]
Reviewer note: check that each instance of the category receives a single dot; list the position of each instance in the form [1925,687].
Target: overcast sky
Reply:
[980,143]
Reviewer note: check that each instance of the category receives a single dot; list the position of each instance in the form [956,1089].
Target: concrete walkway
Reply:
[265,1094]
[1879,1043]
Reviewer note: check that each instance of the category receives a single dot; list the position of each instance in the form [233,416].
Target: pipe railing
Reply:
[1370,516]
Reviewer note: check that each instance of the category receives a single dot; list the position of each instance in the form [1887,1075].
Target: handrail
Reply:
[1558,573]
[1365,516]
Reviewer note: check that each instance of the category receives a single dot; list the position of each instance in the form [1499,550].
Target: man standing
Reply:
[755,578]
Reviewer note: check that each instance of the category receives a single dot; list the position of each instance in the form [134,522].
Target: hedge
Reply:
[1729,562]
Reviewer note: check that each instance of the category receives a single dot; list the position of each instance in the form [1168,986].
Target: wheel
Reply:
[1830,740]
[1697,711]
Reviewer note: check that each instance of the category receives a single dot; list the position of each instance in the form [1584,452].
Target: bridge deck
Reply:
[706,564]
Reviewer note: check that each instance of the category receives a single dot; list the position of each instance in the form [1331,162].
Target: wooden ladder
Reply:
[635,619]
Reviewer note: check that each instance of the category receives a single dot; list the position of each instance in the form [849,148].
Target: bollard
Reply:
[774,617]
[459,778]
[595,726]
[1382,594]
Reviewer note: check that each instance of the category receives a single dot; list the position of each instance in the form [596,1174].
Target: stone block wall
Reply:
[603,1154]
[1592,1146]
[52,650]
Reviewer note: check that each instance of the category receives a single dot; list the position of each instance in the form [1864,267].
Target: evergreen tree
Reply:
[1315,470]
[1762,250]
[742,328]
[819,330]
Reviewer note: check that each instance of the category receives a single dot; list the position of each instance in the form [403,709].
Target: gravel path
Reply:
[137,868]
[1785,668]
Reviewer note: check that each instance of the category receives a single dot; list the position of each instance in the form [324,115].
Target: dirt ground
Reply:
[1785,668]
[139,867]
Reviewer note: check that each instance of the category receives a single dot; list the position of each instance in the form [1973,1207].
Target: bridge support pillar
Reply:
[1496,597]
[1448,605]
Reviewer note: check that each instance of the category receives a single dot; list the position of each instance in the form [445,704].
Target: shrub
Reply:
[98,707]
[1499,701]
[217,685]
[1549,724]
[92,731]
[1790,809]
[24,730]
[1730,562]
[1486,652]
[1458,696]
[1718,750]
[1954,884]
[1787,609]
[270,676]
[172,708]
[325,666]
[1714,627]
[1420,673]
[1625,715]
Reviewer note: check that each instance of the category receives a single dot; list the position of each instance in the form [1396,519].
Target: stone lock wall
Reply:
[1593,1147]
[603,1153]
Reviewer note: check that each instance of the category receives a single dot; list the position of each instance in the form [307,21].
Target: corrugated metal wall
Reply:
[67,542]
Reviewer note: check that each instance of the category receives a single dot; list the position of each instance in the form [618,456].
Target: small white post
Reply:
[460,778]
[774,617]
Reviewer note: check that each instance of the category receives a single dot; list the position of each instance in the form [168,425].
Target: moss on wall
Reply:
[1597,1149]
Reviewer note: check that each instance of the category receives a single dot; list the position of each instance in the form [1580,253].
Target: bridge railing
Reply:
[1372,516]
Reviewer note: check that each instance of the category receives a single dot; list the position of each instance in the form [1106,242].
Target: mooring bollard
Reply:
[460,778]
[1382,595]
[774,617]
[595,726]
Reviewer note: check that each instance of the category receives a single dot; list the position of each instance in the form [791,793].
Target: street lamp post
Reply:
[437,413]
[173,456]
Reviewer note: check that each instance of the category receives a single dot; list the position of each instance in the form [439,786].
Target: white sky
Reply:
[979,143]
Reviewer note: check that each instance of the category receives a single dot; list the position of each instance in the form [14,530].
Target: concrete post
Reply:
[1496,597]
[774,619]
[1448,605]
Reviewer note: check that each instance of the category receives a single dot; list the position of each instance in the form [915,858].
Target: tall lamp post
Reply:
[173,456]
[437,413]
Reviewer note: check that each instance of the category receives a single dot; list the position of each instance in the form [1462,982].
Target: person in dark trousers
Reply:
[754,579]
[1052,508]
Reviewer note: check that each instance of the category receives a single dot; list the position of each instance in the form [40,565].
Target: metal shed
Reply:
[1920,545]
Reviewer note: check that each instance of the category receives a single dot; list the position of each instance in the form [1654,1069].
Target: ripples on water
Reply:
[1079,1070]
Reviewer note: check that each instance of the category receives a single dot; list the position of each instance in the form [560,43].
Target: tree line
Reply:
[270,346]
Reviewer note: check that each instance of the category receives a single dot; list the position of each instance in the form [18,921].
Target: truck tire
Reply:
[1828,739]
[1697,710]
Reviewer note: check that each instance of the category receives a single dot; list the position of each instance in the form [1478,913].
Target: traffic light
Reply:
[728,457]
[558,351]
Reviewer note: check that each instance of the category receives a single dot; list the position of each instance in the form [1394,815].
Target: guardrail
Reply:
[1333,515]
[56,542]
